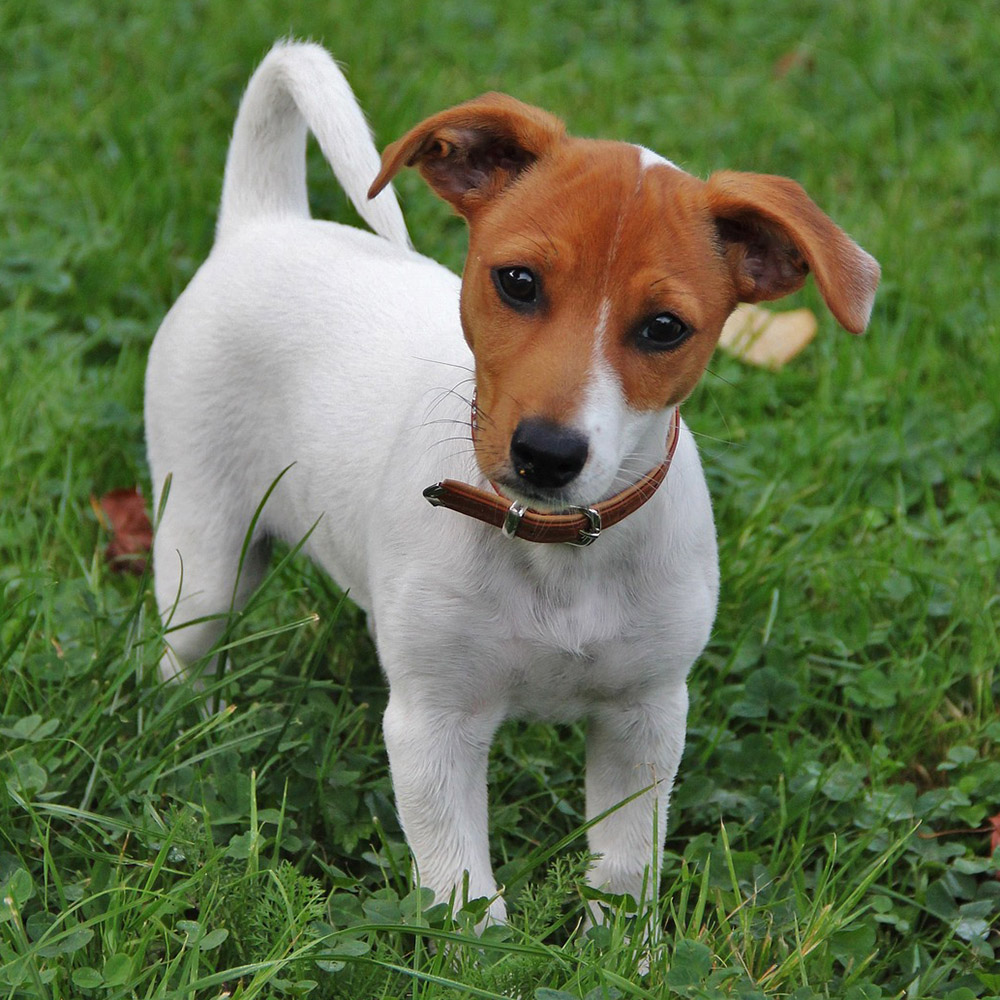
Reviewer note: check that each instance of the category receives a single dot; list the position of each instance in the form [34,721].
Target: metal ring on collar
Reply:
[513,519]
[591,533]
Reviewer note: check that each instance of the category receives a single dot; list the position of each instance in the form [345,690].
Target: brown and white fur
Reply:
[355,358]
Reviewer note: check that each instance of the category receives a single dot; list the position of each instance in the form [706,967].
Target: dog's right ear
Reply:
[470,153]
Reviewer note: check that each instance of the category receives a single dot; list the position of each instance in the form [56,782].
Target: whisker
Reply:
[722,413]
[453,438]
[444,393]
[702,436]
[446,364]
[456,453]
[445,420]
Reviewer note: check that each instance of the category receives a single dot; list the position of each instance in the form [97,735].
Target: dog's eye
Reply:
[517,285]
[663,332]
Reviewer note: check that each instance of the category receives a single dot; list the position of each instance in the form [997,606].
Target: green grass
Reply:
[826,836]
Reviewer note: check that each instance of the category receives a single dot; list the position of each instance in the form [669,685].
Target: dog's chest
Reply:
[570,642]
[541,682]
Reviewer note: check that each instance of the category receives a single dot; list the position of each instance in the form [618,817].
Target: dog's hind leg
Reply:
[199,580]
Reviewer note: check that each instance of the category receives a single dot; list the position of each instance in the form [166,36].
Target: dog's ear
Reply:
[773,235]
[470,153]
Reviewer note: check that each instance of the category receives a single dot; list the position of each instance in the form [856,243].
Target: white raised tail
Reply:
[297,87]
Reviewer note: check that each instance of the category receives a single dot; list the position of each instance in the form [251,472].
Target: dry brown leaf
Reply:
[123,514]
[766,339]
[793,61]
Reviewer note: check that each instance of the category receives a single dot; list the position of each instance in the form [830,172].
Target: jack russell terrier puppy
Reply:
[536,400]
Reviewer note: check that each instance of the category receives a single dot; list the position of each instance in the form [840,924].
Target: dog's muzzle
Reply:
[571,525]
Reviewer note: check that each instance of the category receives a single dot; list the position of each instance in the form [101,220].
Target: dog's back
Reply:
[285,311]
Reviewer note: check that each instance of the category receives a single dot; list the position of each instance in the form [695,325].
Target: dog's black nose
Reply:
[546,454]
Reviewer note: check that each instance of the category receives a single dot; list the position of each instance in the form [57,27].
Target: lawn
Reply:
[830,832]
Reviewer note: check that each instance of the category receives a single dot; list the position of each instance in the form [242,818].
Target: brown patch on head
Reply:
[616,246]
[611,246]
[669,266]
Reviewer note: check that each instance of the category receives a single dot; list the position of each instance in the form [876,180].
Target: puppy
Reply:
[575,573]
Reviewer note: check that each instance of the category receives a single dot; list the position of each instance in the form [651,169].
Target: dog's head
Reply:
[598,279]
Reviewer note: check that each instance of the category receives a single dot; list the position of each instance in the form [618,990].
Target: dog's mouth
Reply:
[547,501]
[544,464]
[591,485]
[524,507]
[552,468]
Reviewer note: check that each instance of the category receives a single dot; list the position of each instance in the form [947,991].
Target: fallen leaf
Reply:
[766,339]
[123,513]
[791,62]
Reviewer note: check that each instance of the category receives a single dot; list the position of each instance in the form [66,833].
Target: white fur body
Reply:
[272,349]
[340,353]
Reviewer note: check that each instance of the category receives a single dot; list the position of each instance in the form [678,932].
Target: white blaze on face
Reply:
[623,442]
[614,431]
[648,159]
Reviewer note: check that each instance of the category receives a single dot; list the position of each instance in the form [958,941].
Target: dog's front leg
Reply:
[633,748]
[438,758]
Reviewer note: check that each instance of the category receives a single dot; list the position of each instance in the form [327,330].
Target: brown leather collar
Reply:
[574,525]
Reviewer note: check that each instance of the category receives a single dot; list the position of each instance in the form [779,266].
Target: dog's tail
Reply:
[297,87]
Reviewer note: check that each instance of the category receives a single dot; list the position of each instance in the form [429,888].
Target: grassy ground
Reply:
[827,835]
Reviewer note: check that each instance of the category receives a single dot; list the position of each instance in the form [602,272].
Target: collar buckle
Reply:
[592,531]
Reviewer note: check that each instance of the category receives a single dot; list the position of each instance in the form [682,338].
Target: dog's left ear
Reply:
[470,153]
[774,235]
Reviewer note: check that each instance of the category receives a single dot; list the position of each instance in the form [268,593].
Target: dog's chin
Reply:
[544,500]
